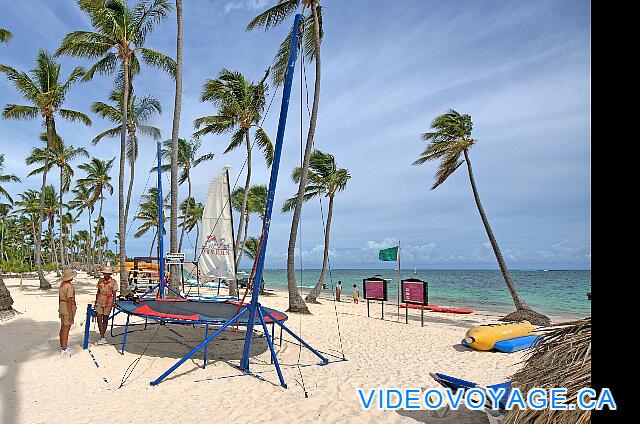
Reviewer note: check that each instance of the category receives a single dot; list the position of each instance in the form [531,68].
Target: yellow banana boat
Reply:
[483,337]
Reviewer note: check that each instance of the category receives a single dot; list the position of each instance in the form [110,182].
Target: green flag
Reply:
[390,254]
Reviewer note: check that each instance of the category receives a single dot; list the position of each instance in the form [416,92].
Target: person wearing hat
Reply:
[66,307]
[105,297]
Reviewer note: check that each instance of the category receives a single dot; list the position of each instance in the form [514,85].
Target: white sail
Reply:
[217,258]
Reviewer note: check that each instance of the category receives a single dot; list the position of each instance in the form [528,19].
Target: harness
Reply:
[72,300]
[106,291]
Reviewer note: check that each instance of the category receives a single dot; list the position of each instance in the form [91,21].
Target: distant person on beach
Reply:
[66,307]
[105,296]
[356,294]
[338,290]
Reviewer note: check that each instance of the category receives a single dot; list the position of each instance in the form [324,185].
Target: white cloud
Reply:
[231,5]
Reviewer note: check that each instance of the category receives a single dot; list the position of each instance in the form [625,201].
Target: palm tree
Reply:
[62,156]
[256,203]
[46,92]
[173,217]
[5,36]
[193,211]
[118,40]
[187,160]
[311,38]
[148,214]
[139,113]
[84,200]
[98,181]
[325,179]
[5,297]
[50,210]
[240,104]
[450,140]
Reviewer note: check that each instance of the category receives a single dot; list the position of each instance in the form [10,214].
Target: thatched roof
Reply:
[561,359]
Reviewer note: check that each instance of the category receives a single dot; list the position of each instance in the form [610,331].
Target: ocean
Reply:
[559,293]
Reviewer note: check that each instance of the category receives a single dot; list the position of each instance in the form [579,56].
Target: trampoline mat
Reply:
[192,311]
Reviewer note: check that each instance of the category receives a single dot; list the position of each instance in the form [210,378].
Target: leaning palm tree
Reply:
[46,91]
[98,181]
[325,179]
[187,160]
[240,104]
[118,42]
[139,113]
[450,140]
[311,37]
[62,156]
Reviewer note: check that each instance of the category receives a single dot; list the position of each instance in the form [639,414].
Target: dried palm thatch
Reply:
[562,358]
[530,315]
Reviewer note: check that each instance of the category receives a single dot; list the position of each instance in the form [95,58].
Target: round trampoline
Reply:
[191,311]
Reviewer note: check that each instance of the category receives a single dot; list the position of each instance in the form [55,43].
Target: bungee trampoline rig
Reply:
[182,310]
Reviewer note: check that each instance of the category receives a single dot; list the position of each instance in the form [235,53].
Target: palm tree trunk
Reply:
[173,227]
[54,252]
[62,260]
[315,292]
[132,171]
[296,303]
[244,238]
[517,299]
[5,297]
[196,250]
[153,242]
[44,284]
[95,242]
[186,214]
[88,255]
[233,286]
[122,224]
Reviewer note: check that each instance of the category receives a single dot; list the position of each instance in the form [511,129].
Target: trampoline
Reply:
[183,311]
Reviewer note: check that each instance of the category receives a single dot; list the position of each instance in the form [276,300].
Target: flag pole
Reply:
[399,282]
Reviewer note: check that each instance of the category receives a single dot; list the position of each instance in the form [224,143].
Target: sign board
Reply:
[174,258]
[415,291]
[374,289]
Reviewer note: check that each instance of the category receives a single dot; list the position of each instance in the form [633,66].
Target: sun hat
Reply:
[68,274]
[108,269]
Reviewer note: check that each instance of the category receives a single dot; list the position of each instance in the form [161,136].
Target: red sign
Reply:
[375,289]
[414,291]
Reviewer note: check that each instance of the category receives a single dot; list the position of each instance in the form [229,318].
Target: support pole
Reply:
[399,281]
[274,358]
[284,108]
[87,326]
[160,223]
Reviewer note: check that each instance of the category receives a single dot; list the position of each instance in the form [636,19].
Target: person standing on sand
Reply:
[338,290]
[356,294]
[105,296]
[66,308]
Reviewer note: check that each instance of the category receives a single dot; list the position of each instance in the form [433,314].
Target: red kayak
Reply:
[436,308]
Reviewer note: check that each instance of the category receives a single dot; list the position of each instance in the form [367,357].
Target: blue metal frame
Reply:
[160,223]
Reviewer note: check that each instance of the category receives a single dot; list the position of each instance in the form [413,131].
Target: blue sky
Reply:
[520,69]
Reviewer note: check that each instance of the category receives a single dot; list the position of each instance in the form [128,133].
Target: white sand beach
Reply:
[40,386]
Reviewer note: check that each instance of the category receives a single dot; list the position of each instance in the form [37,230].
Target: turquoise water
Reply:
[559,293]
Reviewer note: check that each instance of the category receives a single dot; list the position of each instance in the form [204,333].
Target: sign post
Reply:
[375,289]
[416,292]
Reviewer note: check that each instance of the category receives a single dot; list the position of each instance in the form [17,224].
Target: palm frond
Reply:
[274,15]
[159,60]
[73,116]
[264,143]
[20,112]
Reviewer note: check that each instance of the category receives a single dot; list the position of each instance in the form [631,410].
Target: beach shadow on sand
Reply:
[21,340]
[461,416]
[175,341]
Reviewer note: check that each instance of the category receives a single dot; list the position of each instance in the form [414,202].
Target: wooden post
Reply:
[21,281]
[399,282]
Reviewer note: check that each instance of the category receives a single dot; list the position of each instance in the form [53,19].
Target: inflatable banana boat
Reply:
[484,337]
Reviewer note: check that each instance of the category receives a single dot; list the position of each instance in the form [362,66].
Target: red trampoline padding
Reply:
[146,310]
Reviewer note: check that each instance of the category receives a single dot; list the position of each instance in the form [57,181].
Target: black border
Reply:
[384,288]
